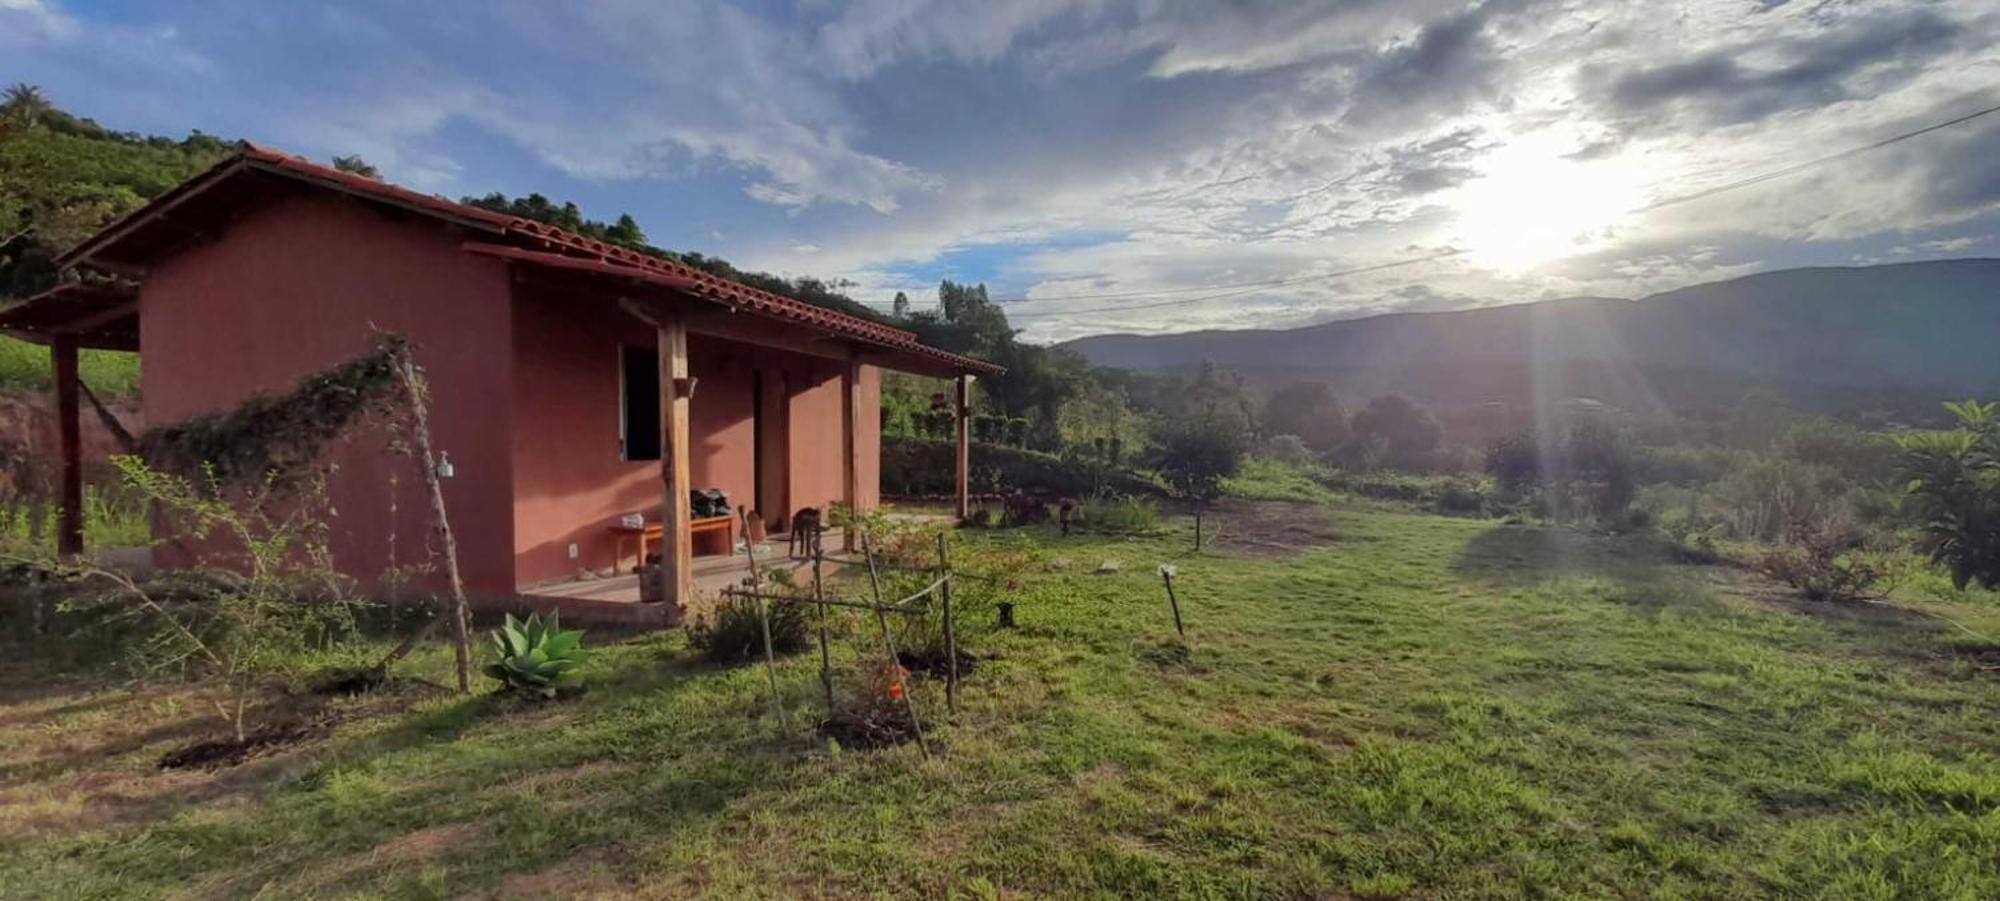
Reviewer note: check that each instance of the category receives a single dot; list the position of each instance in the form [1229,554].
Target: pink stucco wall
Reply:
[295,287]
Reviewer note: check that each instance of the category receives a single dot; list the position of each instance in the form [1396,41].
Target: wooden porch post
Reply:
[962,420]
[850,426]
[69,529]
[676,543]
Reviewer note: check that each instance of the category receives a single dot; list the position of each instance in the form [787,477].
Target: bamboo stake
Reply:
[771,668]
[950,632]
[420,435]
[825,656]
[889,644]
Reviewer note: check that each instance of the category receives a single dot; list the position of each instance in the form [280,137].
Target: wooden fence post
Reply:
[950,630]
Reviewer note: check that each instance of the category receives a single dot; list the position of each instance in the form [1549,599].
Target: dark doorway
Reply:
[639,403]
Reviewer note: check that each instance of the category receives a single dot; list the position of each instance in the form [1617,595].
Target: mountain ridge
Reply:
[1923,326]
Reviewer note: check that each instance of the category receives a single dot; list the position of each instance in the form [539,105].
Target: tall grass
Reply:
[109,520]
[25,366]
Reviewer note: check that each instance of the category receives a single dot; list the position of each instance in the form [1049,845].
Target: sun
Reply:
[1532,204]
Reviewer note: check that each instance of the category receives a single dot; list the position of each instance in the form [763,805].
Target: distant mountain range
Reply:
[1847,337]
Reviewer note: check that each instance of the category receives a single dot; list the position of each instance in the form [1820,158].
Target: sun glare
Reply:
[1530,205]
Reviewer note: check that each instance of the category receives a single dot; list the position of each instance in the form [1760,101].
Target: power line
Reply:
[1800,167]
[1251,287]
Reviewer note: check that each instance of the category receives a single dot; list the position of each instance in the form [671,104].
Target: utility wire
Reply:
[1251,287]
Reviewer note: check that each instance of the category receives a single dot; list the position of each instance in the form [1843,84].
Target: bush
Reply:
[921,468]
[1285,449]
[734,634]
[1024,509]
[1121,514]
[1824,561]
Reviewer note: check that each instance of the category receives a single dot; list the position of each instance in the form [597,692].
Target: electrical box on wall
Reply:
[572,550]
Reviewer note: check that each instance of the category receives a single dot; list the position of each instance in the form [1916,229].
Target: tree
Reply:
[1515,462]
[626,231]
[1310,411]
[25,104]
[1595,464]
[1953,480]
[1403,431]
[356,166]
[900,308]
[1195,454]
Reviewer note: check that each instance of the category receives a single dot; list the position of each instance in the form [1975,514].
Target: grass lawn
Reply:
[112,374]
[1375,704]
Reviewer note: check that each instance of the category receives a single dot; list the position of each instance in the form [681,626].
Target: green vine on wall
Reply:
[282,434]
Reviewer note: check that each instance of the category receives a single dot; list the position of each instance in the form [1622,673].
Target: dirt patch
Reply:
[935,664]
[1272,528]
[208,755]
[876,727]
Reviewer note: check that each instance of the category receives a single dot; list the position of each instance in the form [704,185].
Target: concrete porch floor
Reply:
[614,600]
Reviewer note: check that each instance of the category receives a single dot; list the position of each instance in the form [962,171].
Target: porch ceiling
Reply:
[101,315]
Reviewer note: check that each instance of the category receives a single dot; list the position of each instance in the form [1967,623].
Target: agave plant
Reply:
[534,655]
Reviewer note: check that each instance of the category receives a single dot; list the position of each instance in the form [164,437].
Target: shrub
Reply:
[239,617]
[1023,509]
[1121,514]
[733,634]
[534,655]
[1286,449]
[1824,561]
[923,468]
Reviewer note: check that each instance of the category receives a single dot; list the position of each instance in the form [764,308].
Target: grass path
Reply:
[1422,706]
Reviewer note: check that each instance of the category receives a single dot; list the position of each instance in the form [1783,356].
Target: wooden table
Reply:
[651,532]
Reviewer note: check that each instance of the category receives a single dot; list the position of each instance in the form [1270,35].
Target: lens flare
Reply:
[1531,204]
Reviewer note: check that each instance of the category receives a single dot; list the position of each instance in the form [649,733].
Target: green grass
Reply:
[1265,479]
[109,521]
[109,373]
[1425,707]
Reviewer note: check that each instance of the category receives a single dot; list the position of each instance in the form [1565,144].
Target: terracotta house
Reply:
[573,382]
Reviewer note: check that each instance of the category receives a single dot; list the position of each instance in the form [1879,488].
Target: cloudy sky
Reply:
[1118,166]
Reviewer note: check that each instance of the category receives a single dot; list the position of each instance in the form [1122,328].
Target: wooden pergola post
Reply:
[850,447]
[69,527]
[676,542]
[962,419]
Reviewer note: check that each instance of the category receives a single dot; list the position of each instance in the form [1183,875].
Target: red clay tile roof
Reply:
[103,249]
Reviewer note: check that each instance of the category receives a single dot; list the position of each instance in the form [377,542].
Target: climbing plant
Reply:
[283,434]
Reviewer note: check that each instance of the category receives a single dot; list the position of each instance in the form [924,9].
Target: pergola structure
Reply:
[100,315]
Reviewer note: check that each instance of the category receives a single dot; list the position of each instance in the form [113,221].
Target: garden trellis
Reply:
[914,604]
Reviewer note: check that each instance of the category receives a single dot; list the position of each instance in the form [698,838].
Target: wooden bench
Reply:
[724,526]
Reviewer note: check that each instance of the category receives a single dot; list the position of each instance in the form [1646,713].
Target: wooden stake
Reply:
[889,644]
[825,655]
[1167,576]
[420,435]
[950,630]
[771,667]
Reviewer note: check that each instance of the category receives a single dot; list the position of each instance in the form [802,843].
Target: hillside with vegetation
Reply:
[1891,337]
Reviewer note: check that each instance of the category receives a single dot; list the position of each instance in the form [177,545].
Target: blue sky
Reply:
[1064,149]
